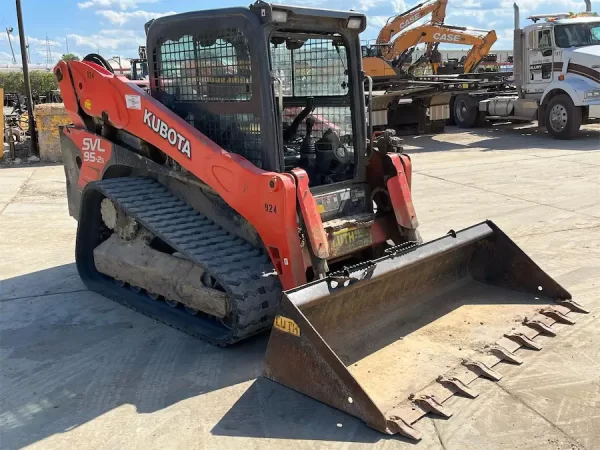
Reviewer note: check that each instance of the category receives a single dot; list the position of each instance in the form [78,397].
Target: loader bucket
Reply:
[391,340]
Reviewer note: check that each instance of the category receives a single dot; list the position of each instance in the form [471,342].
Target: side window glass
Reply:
[208,70]
[213,66]
[545,42]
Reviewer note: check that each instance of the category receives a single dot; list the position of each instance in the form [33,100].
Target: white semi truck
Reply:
[556,75]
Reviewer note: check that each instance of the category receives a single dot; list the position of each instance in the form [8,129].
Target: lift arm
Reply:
[266,199]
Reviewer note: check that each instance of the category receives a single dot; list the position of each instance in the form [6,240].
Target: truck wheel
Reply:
[563,118]
[451,120]
[465,114]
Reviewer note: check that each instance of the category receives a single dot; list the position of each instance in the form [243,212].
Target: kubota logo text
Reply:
[447,37]
[168,133]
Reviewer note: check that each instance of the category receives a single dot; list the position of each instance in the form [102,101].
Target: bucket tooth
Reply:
[398,425]
[573,306]
[557,315]
[523,340]
[430,404]
[539,326]
[482,370]
[456,385]
[500,352]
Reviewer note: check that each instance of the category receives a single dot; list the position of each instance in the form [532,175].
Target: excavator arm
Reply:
[397,24]
[478,52]
[432,34]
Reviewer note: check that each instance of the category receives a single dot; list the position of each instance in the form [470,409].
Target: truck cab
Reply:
[561,69]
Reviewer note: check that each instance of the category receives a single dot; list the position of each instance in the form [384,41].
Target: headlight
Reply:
[279,16]
[355,23]
[592,94]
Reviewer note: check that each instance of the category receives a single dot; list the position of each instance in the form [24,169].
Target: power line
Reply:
[48,52]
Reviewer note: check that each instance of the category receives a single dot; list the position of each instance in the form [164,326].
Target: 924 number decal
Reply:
[270,208]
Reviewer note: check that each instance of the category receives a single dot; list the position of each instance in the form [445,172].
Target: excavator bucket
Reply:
[390,340]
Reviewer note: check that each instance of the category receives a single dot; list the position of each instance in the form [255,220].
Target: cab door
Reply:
[540,59]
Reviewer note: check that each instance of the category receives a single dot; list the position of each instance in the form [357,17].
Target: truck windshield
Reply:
[577,34]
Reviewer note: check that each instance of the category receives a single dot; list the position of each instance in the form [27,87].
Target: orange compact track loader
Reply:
[244,191]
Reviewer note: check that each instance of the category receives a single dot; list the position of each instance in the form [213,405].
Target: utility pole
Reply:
[8,31]
[67,42]
[28,97]
[28,54]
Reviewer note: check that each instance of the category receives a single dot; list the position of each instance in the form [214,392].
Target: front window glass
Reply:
[577,34]
[313,72]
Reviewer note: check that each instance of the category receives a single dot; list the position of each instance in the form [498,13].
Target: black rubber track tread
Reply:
[246,273]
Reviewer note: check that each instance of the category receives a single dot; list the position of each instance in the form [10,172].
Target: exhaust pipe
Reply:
[518,40]
[588,6]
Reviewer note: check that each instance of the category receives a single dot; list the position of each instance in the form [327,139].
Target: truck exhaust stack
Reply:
[391,340]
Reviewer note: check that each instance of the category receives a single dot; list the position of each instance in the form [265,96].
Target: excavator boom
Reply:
[430,34]
[396,24]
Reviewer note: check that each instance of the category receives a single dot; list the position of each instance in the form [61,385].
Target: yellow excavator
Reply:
[385,59]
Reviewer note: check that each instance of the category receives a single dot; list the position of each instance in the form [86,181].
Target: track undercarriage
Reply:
[154,253]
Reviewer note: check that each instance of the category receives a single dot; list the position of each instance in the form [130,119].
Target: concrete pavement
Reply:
[80,371]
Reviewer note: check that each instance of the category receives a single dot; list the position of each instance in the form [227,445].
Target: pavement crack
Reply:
[14,197]
[540,415]
[438,434]
[557,231]
[47,294]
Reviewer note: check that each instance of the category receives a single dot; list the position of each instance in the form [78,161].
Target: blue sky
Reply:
[115,27]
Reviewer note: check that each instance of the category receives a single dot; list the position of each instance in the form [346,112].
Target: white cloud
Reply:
[551,6]
[121,4]
[377,21]
[470,4]
[399,6]
[35,41]
[120,18]
[6,58]
[482,16]
[108,40]
[365,5]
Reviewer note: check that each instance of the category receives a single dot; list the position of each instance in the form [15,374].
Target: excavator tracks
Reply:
[244,272]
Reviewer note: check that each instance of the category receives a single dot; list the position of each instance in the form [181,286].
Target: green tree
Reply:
[70,57]
[41,82]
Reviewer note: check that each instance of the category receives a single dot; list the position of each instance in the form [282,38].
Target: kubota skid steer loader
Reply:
[247,170]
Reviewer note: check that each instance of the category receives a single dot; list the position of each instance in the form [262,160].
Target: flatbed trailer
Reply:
[424,104]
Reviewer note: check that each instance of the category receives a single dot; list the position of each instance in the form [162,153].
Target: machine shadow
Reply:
[489,138]
[68,356]
[281,413]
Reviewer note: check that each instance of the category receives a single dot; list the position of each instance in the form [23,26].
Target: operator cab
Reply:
[279,85]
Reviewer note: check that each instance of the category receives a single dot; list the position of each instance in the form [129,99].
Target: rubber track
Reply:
[246,273]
